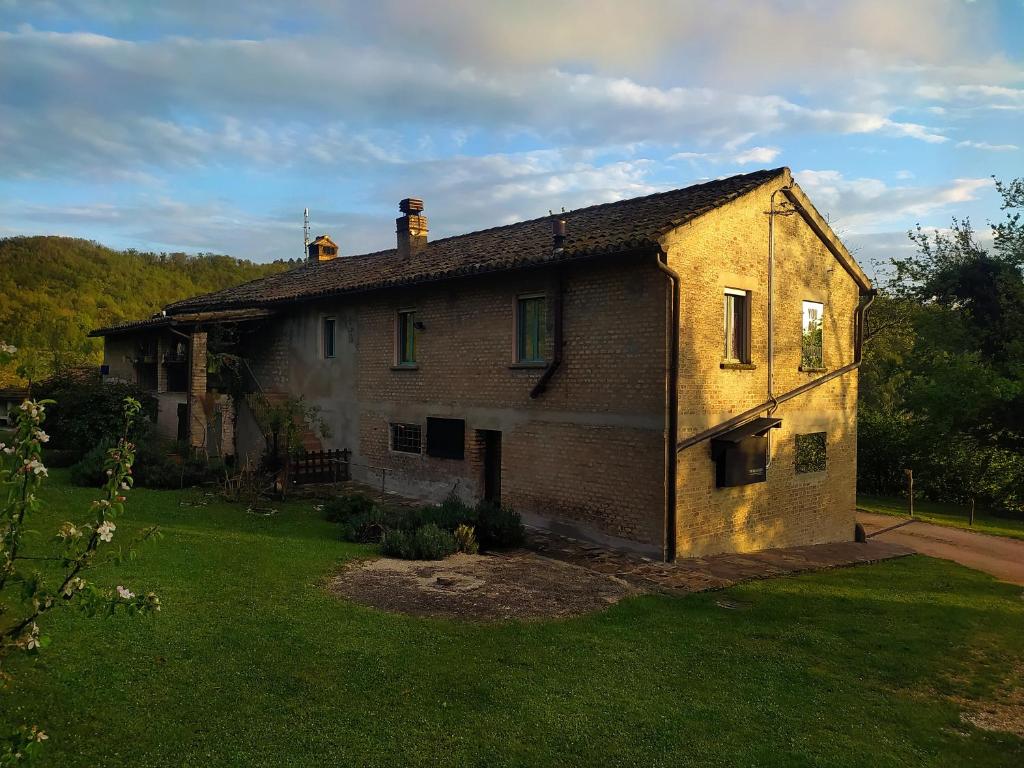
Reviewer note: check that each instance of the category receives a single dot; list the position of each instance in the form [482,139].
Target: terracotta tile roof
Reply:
[623,226]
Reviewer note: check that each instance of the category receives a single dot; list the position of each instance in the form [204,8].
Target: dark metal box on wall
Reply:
[741,455]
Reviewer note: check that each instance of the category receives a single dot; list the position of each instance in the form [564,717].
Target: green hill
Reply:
[54,290]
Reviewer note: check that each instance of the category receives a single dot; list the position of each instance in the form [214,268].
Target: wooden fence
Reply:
[320,467]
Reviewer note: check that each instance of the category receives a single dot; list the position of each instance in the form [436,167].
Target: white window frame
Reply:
[743,357]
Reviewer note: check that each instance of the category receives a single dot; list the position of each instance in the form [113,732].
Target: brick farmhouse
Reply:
[673,374]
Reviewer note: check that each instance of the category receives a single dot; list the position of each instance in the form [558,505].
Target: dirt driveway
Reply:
[1001,557]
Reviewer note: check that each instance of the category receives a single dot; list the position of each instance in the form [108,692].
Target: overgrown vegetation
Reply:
[942,385]
[57,289]
[415,533]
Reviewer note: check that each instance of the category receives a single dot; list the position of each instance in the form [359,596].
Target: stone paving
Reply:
[700,574]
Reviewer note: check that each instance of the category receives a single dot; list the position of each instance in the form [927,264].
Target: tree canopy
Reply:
[54,290]
[942,388]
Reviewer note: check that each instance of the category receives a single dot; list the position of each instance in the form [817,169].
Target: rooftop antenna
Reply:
[305,232]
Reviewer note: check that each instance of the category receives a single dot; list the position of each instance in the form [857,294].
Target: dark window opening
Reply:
[177,376]
[328,334]
[530,329]
[407,337]
[737,326]
[446,438]
[810,452]
[407,438]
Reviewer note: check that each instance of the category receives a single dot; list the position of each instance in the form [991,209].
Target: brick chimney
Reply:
[322,249]
[411,227]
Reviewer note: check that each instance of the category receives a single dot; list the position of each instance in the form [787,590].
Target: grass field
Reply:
[952,515]
[252,663]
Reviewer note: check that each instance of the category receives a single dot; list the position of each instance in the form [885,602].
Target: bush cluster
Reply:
[428,542]
[429,532]
[154,467]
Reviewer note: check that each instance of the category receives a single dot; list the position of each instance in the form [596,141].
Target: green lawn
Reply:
[952,515]
[252,663]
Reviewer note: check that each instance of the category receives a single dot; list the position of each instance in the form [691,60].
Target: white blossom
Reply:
[41,436]
[69,531]
[35,466]
[10,349]
[125,486]
[32,637]
[106,530]
[124,594]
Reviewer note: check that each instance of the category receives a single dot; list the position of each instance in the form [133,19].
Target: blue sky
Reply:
[208,127]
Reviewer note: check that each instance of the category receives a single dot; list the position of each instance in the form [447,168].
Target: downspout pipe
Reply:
[556,354]
[772,213]
[672,407]
[860,315]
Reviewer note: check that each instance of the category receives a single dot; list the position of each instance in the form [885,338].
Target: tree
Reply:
[943,375]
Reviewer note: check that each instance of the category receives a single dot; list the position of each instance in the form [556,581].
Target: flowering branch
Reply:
[25,597]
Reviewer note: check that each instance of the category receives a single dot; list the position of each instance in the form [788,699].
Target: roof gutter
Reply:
[860,315]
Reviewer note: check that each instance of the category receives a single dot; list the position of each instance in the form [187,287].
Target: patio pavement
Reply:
[700,574]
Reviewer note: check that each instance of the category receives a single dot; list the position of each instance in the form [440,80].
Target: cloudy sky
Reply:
[205,126]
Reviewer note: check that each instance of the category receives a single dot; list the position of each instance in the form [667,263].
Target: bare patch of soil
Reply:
[514,585]
[994,716]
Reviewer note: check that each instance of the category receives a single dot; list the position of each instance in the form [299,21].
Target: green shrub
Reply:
[448,515]
[432,543]
[343,508]
[465,540]
[428,542]
[397,543]
[87,406]
[498,527]
[369,526]
[88,471]
[154,467]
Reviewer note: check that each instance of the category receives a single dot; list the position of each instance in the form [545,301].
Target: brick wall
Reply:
[197,418]
[588,452]
[729,248]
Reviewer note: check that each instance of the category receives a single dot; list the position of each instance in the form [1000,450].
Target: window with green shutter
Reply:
[530,329]
[407,337]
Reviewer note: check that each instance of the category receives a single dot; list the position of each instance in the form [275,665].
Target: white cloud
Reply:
[186,101]
[990,147]
[757,155]
[862,205]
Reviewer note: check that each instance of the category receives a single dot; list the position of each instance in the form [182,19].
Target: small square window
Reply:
[406,337]
[407,438]
[810,452]
[446,438]
[811,349]
[531,319]
[737,326]
[328,337]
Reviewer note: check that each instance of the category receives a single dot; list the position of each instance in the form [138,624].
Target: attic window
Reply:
[405,337]
[530,329]
[737,326]
[328,337]
[811,348]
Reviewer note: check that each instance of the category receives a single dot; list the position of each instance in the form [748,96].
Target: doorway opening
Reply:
[491,440]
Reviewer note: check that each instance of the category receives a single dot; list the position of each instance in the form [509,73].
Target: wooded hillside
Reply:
[54,290]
